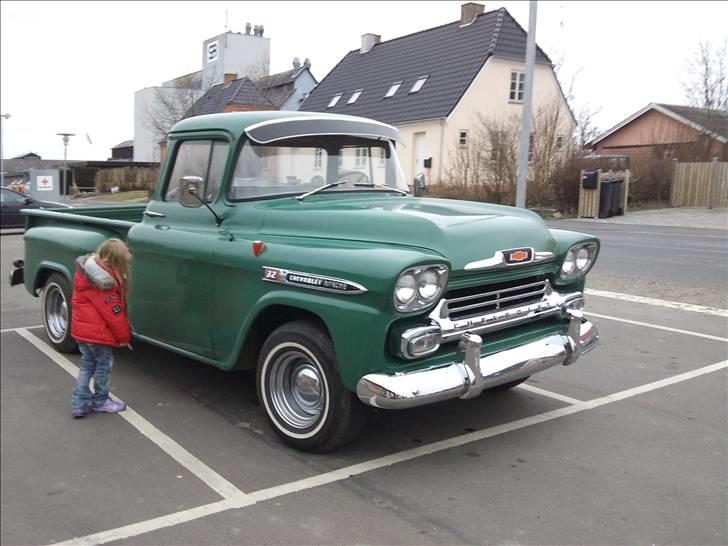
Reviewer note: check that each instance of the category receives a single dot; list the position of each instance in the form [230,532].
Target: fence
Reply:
[699,184]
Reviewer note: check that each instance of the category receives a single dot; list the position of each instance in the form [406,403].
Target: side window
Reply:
[203,158]
[12,198]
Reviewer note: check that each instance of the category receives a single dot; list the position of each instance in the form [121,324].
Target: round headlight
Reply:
[405,289]
[578,261]
[428,284]
[567,267]
[419,287]
[582,258]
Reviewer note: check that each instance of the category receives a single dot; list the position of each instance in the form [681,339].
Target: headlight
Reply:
[419,287]
[578,261]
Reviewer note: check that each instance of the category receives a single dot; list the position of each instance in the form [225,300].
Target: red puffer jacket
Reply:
[98,305]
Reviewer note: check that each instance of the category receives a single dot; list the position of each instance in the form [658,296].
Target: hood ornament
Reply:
[510,257]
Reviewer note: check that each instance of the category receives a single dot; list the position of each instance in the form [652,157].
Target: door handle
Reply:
[153,214]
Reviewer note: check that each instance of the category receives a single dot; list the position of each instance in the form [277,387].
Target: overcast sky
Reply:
[74,66]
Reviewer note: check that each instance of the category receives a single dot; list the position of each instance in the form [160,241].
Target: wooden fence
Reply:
[699,185]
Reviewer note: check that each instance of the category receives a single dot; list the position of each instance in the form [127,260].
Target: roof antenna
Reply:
[226,20]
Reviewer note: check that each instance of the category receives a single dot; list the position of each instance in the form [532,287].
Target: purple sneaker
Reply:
[109,406]
[80,412]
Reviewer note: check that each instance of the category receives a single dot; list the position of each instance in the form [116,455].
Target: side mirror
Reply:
[28,200]
[420,184]
[189,191]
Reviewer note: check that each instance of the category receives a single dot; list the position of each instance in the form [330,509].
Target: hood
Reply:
[94,273]
[460,231]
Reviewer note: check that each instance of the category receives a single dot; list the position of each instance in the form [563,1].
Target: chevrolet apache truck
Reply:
[290,243]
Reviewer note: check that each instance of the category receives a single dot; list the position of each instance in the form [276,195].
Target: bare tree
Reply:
[707,82]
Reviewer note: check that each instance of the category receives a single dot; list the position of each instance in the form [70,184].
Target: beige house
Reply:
[436,85]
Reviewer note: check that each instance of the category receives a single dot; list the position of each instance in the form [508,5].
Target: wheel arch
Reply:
[45,270]
[264,323]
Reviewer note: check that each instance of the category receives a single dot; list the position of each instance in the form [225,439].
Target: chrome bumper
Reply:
[474,374]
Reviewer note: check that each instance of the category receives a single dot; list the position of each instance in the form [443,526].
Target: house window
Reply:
[418,84]
[517,82]
[361,157]
[559,143]
[463,138]
[317,155]
[354,96]
[393,89]
[334,100]
[497,142]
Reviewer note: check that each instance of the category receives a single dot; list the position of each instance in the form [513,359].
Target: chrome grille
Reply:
[479,300]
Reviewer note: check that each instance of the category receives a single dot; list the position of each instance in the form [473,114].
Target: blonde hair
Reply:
[116,255]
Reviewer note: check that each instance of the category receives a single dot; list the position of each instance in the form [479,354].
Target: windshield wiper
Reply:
[375,185]
[322,188]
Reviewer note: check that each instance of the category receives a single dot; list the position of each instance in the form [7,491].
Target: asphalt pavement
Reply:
[627,446]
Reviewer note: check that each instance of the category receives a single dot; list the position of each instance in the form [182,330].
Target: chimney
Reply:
[247,29]
[368,41]
[469,11]
[307,63]
[229,78]
[296,63]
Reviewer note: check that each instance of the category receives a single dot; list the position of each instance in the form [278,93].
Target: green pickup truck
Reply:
[289,243]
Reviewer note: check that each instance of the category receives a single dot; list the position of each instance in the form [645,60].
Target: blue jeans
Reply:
[96,362]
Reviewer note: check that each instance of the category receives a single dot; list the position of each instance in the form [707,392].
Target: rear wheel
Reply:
[56,305]
[299,387]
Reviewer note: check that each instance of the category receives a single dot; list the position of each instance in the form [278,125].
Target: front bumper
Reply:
[468,378]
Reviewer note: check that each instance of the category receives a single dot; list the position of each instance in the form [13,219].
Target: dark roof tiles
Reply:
[451,55]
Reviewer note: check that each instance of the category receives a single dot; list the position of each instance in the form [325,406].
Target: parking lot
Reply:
[628,446]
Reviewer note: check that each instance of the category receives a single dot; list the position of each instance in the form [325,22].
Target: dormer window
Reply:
[354,96]
[393,89]
[334,100]
[418,84]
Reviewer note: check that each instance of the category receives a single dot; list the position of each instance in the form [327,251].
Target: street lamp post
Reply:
[2,157]
[66,137]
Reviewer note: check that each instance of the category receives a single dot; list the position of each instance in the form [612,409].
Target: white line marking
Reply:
[382,462]
[717,311]
[203,472]
[549,394]
[20,328]
[150,525]
[658,327]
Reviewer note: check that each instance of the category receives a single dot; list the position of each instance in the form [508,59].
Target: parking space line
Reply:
[717,311]
[388,460]
[20,328]
[658,327]
[136,529]
[549,394]
[203,472]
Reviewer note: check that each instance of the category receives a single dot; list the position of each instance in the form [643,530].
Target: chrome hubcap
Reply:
[295,389]
[56,312]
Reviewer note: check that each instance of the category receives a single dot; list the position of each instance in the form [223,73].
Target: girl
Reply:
[99,323]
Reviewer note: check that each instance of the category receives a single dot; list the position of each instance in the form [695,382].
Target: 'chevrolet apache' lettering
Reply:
[372,295]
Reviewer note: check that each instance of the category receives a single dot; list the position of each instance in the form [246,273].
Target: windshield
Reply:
[301,165]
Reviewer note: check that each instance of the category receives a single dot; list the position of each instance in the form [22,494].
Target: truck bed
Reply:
[119,217]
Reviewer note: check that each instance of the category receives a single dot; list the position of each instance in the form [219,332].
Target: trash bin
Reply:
[615,207]
[606,197]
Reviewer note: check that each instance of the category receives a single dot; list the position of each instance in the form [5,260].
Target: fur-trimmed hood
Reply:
[94,273]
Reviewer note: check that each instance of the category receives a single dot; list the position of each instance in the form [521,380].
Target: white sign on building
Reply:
[212,52]
[44,183]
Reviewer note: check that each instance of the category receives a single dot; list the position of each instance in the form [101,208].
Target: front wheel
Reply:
[299,386]
[56,305]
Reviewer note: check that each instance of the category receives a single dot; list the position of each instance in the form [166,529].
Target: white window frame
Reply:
[393,89]
[354,96]
[318,158]
[360,160]
[335,100]
[418,84]
[517,86]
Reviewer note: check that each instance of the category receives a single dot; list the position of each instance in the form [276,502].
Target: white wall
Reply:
[302,86]
[241,54]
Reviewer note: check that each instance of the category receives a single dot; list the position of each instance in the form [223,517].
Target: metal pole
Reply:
[66,137]
[526,117]
[2,157]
